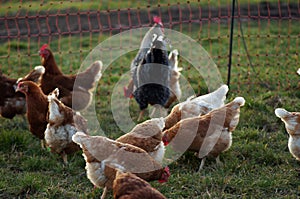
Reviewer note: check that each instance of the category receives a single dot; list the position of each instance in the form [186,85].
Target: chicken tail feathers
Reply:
[281,113]
[78,137]
[222,91]
[240,101]
[216,98]
[90,76]
[173,60]
[35,75]
[234,110]
[53,95]
[40,69]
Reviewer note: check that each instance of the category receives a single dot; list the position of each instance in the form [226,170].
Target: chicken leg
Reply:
[202,164]
[141,115]
[65,158]
[218,161]
[158,111]
[129,90]
[104,193]
[43,144]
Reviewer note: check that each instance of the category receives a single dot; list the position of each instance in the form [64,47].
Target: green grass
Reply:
[258,165]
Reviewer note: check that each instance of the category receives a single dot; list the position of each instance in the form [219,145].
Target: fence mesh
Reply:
[265,39]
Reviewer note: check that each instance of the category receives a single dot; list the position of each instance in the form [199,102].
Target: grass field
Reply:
[258,165]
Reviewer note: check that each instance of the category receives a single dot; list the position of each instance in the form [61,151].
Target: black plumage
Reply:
[151,73]
[13,103]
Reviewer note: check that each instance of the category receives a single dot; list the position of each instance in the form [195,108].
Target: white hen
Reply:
[195,106]
[291,121]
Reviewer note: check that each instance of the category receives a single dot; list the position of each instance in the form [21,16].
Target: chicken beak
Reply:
[17,88]
[42,57]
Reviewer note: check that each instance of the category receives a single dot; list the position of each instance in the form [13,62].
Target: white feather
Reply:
[54,114]
[281,113]
[211,100]
[292,127]
[159,153]
[95,172]
[40,69]
[217,97]
[290,122]
[77,137]
[58,137]
[53,95]
[294,146]
[160,122]
[240,101]
[98,76]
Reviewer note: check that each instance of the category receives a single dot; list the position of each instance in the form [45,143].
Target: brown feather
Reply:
[63,123]
[292,126]
[195,106]
[75,90]
[211,129]
[37,108]
[116,155]
[146,135]
[128,185]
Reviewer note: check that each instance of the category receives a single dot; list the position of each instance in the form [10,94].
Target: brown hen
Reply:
[209,134]
[195,106]
[103,156]
[75,90]
[37,108]
[291,121]
[147,136]
[13,103]
[129,186]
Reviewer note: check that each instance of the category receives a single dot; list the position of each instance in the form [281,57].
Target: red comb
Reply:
[165,141]
[165,176]
[44,47]
[157,20]
[167,169]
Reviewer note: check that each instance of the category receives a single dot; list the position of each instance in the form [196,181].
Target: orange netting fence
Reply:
[265,37]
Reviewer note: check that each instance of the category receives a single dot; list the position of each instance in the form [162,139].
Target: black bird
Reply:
[150,70]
